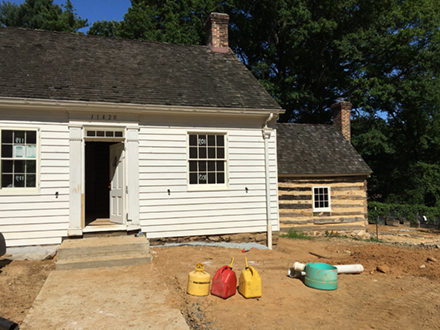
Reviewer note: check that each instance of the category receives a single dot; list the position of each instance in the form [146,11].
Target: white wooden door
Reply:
[117,183]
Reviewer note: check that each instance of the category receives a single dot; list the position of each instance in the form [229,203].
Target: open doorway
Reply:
[103,183]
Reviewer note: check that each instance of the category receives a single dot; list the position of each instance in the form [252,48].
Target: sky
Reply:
[96,10]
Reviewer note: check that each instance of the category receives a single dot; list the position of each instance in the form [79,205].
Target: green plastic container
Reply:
[321,276]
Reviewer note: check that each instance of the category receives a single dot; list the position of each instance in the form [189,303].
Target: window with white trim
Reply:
[207,159]
[321,198]
[18,151]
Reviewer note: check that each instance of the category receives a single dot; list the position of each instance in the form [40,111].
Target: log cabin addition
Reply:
[101,134]
[322,180]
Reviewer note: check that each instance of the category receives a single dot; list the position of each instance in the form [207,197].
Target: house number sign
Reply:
[104,117]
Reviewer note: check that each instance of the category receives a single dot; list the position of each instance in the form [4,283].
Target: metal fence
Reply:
[419,219]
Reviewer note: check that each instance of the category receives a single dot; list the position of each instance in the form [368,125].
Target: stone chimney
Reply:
[341,118]
[216,28]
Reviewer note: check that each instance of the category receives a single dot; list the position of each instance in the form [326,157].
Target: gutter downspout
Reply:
[266,136]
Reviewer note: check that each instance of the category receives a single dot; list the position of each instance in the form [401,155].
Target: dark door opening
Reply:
[97,177]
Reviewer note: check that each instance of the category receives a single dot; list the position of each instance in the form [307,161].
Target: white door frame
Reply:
[77,178]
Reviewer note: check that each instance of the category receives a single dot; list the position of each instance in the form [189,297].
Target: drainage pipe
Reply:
[298,269]
[266,136]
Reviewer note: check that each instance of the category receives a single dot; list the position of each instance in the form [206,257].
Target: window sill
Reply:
[198,187]
[19,191]
[322,210]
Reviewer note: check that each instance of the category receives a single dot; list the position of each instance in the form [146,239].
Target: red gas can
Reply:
[224,282]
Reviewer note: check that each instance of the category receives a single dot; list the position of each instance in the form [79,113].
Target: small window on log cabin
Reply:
[321,198]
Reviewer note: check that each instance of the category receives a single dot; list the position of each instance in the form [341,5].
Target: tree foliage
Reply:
[167,20]
[41,14]
[105,28]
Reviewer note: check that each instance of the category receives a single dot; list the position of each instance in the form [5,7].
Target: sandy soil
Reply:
[20,283]
[406,296]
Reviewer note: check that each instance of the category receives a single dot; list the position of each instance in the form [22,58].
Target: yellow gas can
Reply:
[250,282]
[198,281]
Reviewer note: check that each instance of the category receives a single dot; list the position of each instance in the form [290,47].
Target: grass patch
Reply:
[293,234]
[332,234]
[372,239]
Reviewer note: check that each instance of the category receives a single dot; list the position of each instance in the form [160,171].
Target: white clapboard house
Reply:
[104,134]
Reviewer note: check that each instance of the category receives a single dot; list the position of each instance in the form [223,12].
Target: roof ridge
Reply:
[107,38]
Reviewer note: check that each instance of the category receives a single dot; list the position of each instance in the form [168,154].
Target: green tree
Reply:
[307,52]
[167,20]
[41,14]
[105,28]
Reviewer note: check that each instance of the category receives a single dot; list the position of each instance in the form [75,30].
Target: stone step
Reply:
[102,246]
[104,261]
[103,252]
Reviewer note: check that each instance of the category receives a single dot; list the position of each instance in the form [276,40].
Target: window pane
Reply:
[193,140]
[193,152]
[30,180]
[91,133]
[202,140]
[6,180]
[31,137]
[19,166]
[193,166]
[6,136]
[109,133]
[193,178]
[211,177]
[202,152]
[321,204]
[202,178]
[211,152]
[316,204]
[321,191]
[7,166]
[118,134]
[100,133]
[19,137]
[325,204]
[203,147]
[18,180]
[7,150]
[30,166]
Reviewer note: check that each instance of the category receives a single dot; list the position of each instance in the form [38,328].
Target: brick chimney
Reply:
[341,118]
[217,32]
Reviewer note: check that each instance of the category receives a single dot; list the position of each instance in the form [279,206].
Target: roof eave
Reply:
[68,105]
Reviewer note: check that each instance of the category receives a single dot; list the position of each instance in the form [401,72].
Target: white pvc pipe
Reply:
[266,136]
[298,269]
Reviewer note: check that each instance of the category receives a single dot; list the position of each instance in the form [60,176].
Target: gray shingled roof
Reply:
[63,66]
[316,150]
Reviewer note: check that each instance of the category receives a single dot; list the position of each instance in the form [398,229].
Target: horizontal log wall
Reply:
[348,199]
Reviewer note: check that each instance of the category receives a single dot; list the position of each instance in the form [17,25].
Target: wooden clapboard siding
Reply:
[348,203]
[188,211]
[39,218]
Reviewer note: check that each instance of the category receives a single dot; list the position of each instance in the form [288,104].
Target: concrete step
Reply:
[103,252]
[106,261]
[102,246]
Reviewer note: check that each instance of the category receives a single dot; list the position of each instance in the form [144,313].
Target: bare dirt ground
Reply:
[406,296]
